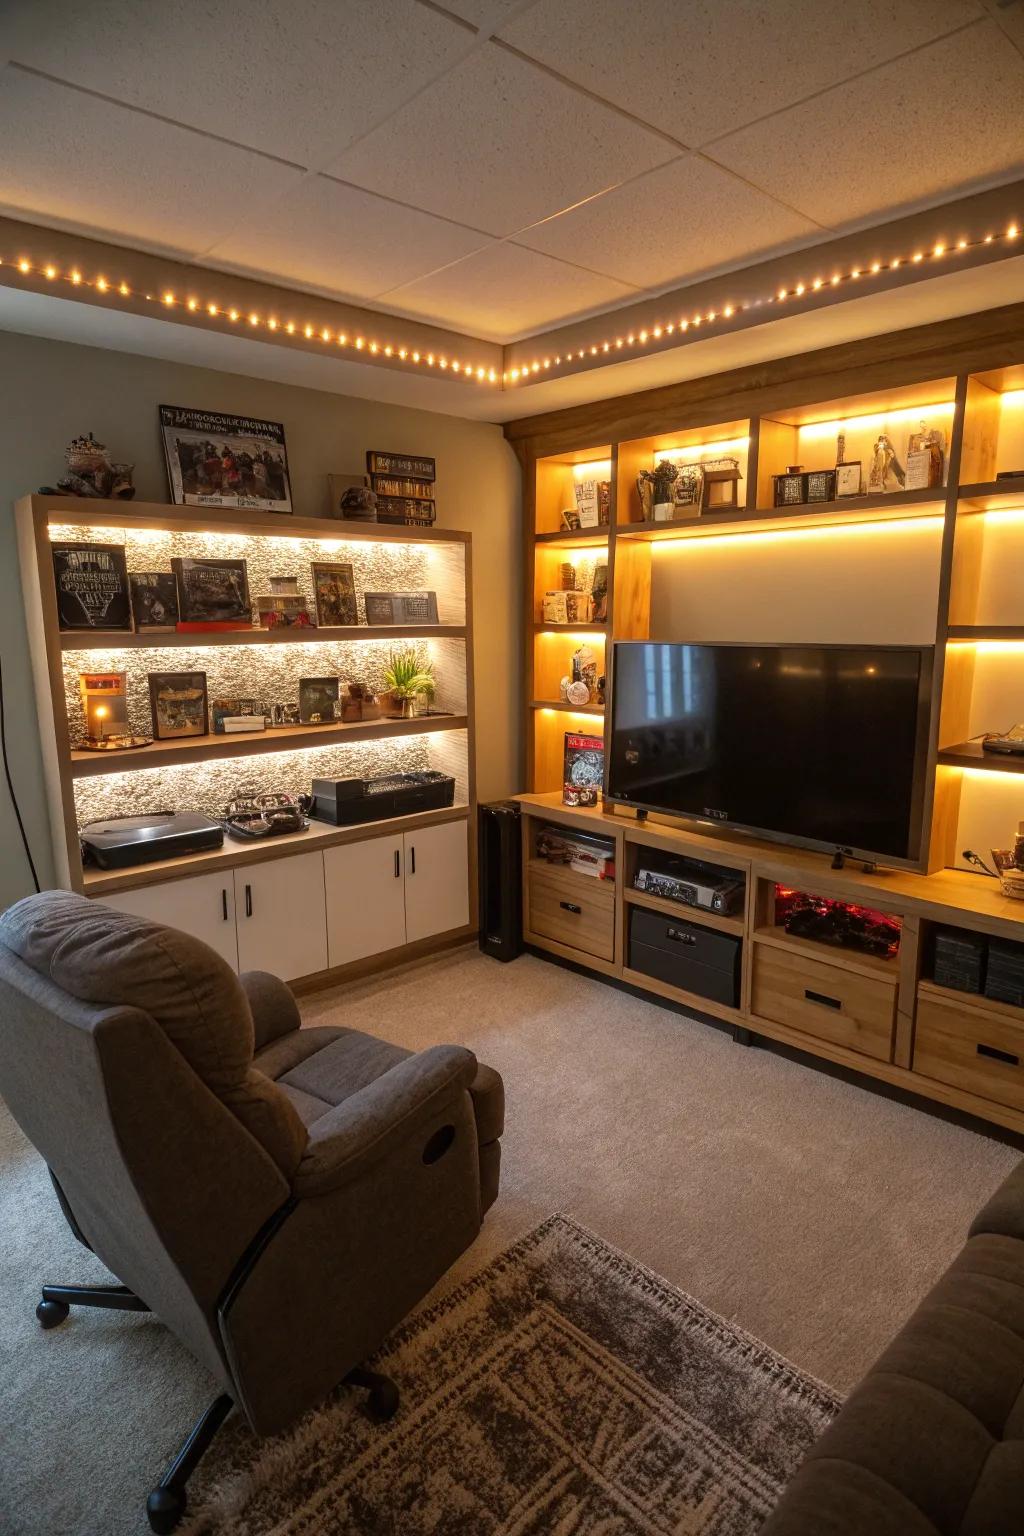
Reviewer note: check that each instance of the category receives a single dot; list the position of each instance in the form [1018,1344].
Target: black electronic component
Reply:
[121,841]
[499,835]
[347,802]
[685,955]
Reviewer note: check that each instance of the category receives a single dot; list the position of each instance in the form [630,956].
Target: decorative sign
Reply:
[225,461]
[405,509]
[410,466]
[401,607]
[92,586]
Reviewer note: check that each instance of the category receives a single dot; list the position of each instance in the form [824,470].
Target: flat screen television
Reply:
[823,746]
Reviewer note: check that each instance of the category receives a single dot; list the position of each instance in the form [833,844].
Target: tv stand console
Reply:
[880,1015]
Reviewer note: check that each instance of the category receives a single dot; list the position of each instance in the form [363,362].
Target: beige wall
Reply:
[51,391]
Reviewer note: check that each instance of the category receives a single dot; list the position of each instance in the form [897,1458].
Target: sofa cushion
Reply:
[340,1067]
[1004,1213]
[99,955]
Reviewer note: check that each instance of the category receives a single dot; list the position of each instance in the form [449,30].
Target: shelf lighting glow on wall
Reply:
[597,469]
[877,419]
[704,450]
[819,531]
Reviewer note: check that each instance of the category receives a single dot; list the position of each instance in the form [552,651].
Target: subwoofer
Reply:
[500,861]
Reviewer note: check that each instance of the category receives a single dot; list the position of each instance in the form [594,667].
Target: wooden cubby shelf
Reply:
[114,640]
[568,709]
[933,567]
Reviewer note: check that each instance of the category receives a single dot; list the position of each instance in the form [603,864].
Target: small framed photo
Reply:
[401,608]
[154,599]
[848,479]
[334,595]
[318,700]
[179,704]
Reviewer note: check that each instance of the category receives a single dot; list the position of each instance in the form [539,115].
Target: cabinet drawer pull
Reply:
[224,902]
[822,998]
[412,859]
[398,865]
[570,906]
[248,901]
[996,1055]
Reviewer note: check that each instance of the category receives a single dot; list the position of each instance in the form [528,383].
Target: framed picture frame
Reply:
[334,595]
[91,581]
[848,479]
[212,594]
[318,700]
[401,607]
[154,599]
[178,701]
[217,460]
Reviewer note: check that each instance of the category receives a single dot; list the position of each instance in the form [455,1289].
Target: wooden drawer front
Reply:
[573,909]
[839,1006]
[980,1053]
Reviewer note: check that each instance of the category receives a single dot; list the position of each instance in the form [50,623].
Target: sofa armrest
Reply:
[273,1007]
[1003,1213]
[366,1126]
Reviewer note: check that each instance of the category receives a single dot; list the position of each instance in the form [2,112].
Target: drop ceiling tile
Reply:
[505,292]
[499,144]
[913,133]
[72,159]
[678,222]
[701,68]
[343,241]
[488,14]
[300,80]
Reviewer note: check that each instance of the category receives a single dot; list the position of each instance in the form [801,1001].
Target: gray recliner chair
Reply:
[279,1198]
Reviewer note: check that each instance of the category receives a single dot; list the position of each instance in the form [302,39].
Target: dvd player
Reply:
[694,885]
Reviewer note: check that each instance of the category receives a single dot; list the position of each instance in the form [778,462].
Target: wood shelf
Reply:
[114,640]
[234,853]
[854,960]
[582,538]
[985,632]
[992,495]
[284,738]
[568,709]
[686,999]
[971,754]
[975,1002]
[686,914]
[593,628]
[894,507]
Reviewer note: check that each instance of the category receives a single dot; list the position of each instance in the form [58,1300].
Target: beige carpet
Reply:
[811,1211]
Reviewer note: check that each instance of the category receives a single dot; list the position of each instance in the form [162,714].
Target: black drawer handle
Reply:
[1007,1056]
[224,902]
[398,865]
[822,998]
[248,901]
[570,906]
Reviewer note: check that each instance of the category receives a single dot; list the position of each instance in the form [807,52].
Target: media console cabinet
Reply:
[882,1017]
[313,906]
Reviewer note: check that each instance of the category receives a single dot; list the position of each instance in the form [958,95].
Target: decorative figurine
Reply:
[91,472]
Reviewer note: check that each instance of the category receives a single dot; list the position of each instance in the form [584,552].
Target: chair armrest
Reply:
[274,1010]
[364,1128]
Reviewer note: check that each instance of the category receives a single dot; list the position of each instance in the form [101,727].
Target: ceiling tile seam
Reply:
[827,90]
[1011,26]
[398,202]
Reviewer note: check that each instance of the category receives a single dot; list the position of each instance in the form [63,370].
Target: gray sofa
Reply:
[931,1442]
[279,1197]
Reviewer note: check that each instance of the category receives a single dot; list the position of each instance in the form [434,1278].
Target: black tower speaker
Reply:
[500,853]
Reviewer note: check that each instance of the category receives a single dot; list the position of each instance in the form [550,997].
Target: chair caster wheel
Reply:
[382,1403]
[164,1509]
[52,1313]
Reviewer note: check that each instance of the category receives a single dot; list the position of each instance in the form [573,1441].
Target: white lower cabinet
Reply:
[305,912]
[436,890]
[281,916]
[202,905]
[365,886]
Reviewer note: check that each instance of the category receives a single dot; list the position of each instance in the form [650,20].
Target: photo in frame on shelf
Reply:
[688,492]
[583,769]
[720,484]
[92,586]
[154,599]
[401,608]
[219,460]
[178,701]
[848,479]
[334,595]
[104,702]
[319,700]
[212,594]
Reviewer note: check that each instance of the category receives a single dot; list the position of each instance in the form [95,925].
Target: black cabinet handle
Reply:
[1007,1056]
[224,902]
[570,906]
[412,859]
[248,901]
[822,998]
[398,865]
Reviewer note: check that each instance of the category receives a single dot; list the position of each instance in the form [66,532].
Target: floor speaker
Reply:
[501,879]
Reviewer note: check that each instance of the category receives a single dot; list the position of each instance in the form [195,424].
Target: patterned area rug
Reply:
[563,1391]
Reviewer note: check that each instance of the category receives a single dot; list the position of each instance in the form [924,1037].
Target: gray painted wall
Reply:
[50,391]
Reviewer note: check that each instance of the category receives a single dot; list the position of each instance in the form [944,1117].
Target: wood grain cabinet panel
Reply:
[839,1006]
[970,1049]
[572,909]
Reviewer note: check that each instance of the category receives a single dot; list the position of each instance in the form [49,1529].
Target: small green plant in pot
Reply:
[407,678]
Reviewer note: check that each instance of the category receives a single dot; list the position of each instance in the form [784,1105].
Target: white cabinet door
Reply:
[281,916]
[436,876]
[365,888]
[203,905]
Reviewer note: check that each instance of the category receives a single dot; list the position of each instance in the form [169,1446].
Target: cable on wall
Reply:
[10,783]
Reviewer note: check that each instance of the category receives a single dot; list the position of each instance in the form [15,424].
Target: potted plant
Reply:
[407,677]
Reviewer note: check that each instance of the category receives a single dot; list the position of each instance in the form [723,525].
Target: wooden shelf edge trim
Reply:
[115,640]
[871,966]
[685,914]
[971,754]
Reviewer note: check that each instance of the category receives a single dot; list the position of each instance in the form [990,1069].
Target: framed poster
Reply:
[154,599]
[212,593]
[178,702]
[334,594]
[215,460]
[401,607]
[92,586]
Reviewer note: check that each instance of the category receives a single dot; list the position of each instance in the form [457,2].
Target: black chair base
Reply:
[169,1499]
[59,1299]
[382,1403]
